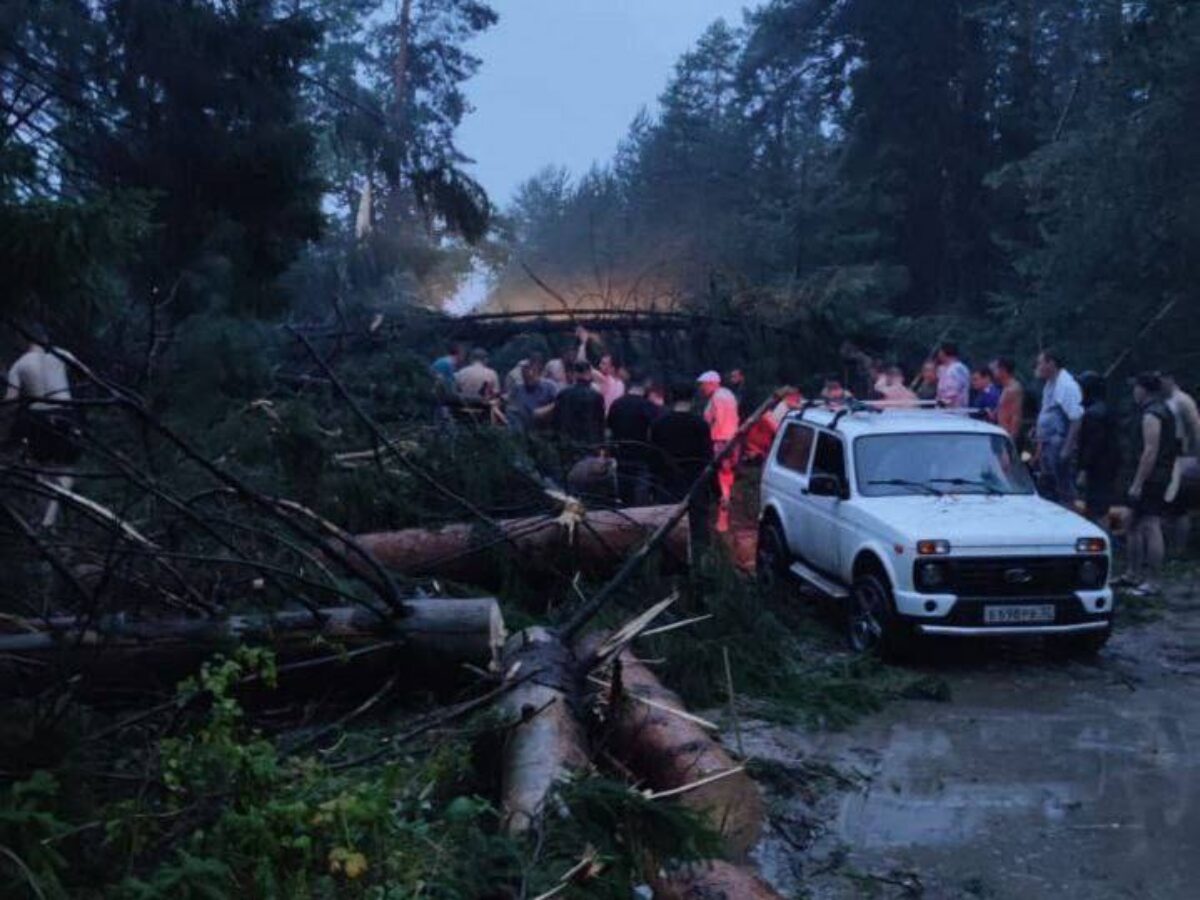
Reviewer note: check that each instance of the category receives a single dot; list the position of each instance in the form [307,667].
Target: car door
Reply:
[789,480]
[824,526]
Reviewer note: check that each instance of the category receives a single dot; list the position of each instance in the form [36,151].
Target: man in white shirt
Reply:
[721,414]
[954,378]
[44,425]
[1058,424]
[478,381]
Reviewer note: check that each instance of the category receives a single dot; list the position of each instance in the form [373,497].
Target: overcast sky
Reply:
[562,79]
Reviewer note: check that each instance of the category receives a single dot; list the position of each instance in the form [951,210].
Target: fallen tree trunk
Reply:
[548,743]
[433,633]
[715,880]
[596,545]
[651,733]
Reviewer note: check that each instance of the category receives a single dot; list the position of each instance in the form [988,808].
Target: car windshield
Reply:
[891,465]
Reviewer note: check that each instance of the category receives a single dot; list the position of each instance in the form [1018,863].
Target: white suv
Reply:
[927,522]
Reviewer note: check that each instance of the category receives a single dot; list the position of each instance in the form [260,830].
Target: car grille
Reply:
[1016,577]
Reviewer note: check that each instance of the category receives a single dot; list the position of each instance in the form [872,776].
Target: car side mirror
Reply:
[826,486]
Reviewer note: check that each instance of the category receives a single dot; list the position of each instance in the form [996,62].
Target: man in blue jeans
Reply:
[1059,421]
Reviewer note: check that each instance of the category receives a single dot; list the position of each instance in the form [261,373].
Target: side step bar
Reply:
[820,582]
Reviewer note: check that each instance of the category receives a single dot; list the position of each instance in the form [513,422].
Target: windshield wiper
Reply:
[900,482]
[971,482]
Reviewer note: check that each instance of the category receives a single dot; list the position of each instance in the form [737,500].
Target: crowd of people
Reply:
[627,439]
[638,442]
[633,441]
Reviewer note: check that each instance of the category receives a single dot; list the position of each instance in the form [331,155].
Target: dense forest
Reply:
[1007,171]
[1011,173]
[243,218]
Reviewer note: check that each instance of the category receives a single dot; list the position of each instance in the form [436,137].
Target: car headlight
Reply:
[1091,545]
[1092,574]
[930,576]
[933,548]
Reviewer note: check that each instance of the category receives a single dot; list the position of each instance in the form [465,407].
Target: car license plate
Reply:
[1018,615]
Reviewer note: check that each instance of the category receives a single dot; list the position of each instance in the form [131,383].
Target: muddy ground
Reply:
[1041,777]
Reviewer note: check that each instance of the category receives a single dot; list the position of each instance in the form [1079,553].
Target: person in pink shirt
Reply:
[721,414]
[608,381]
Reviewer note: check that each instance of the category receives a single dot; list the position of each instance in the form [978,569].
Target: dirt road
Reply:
[1040,778]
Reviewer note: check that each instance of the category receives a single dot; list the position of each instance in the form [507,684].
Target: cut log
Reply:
[434,633]
[595,545]
[671,751]
[548,744]
[716,880]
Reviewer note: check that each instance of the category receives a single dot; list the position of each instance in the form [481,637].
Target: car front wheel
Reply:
[871,620]
[770,556]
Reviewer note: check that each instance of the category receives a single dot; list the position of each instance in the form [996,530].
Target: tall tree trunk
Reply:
[400,64]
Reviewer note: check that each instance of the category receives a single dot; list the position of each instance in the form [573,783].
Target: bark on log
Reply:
[475,554]
[548,744]
[716,880]
[670,751]
[438,633]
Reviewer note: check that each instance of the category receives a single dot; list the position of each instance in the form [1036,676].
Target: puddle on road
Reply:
[1037,780]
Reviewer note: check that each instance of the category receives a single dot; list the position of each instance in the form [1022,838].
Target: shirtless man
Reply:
[1009,409]
[38,383]
[1178,518]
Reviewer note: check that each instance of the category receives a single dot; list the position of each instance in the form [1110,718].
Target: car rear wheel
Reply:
[771,556]
[871,623]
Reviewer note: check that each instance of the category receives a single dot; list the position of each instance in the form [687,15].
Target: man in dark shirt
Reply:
[629,420]
[1158,447]
[579,411]
[682,448]
[531,398]
[985,393]
[1099,447]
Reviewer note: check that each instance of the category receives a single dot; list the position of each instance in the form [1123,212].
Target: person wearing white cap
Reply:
[721,414]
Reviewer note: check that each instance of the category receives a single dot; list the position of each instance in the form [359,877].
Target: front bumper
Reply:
[947,614]
[1011,630]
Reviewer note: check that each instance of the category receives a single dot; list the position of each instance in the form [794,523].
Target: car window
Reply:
[830,458]
[892,465]
[795,447]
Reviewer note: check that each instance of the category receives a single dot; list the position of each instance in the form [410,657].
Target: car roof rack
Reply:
[843,408]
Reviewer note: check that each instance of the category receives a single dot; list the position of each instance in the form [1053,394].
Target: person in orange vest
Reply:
[762,433]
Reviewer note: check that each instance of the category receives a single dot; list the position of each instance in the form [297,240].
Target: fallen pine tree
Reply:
[548,743]
[648,729]
[593,542]
[542,693]
[433,635]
